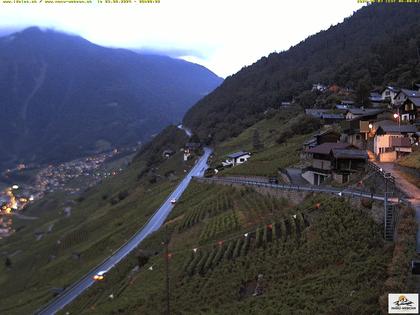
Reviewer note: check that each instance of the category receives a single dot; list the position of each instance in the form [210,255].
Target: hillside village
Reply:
[385,130]
[274,196]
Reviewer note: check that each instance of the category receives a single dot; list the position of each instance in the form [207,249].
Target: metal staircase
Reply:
[389,222]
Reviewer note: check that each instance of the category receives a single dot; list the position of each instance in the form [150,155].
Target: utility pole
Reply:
[168,308]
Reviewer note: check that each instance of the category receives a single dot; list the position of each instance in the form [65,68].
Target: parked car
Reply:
[173,201]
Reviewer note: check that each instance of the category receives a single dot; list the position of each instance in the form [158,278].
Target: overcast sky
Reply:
[223,35]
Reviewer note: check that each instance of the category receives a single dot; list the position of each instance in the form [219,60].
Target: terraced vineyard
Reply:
[226,222]
[206,210]
[274,235]
[322,256]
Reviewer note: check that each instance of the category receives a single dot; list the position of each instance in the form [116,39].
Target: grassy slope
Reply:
[412,160]
[95,228]
[336,264]
[266,161]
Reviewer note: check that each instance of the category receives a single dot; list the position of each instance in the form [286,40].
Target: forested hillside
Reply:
[63,97]
[378,45]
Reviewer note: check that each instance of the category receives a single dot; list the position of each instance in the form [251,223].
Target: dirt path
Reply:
[410,190]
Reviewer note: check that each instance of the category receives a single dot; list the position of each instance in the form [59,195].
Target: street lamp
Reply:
[370,126]
[396,115]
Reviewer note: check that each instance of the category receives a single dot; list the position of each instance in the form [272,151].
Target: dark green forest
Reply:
[377,46]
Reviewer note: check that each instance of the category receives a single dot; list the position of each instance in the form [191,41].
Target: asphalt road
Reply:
[152,225]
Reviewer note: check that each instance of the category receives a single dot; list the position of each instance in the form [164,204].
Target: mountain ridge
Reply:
[63,93]
[377,45]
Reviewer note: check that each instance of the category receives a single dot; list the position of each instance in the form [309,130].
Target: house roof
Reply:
[325,132]
[332,116]
[410,93]
[237,154]
[391,88]
[389,128]
[349,154]
[365,111]
[315,112]
[310,142]
[375,97]
[326,147]
[342,106]
[415,100]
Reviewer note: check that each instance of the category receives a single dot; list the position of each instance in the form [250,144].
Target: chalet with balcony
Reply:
[407,105]
[404,94]
[392,140]
[321,137]
[388,93]
[338,161]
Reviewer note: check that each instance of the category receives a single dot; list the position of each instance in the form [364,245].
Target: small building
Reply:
[315,112]
[349,103]
[409,110]
[285,104]
[353,113]
[343,107]
[338,161]
[330,119]
[403,95]
[356,132]
[320,168]
[388,93]
[319,87]
[375,97]
[167,153]
[347,162]
[392,141]
[190,148]
[237,158]
[334,88]
[321,137]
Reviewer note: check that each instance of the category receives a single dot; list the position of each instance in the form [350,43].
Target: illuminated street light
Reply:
[15,187]
[370,126]
[340,193]
[396,115]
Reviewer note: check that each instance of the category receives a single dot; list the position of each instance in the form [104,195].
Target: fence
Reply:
[344,192]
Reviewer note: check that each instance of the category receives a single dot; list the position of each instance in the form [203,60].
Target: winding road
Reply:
[152,225]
